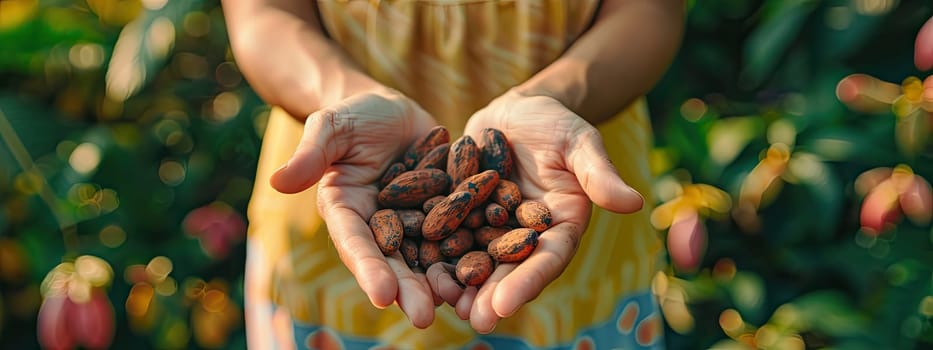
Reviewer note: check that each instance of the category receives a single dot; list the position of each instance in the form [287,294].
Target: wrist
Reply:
[563,81]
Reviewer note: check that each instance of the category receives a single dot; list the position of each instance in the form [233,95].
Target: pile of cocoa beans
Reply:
[454,203]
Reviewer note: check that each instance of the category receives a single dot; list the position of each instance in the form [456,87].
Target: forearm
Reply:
[620,58]
[280,49]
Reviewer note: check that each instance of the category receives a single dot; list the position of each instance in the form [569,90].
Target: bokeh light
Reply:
[112,236]
[159,268]
[731,322]
[926,306]
[227,75]
[161,37]
[86,56]
[94,270]
[166,287]
[172,172]
[693,109]
[839,17]
[874,7]
[85,158]
[191,66]
[139,300]
[226,105]
[154,5]
[724,270]
[197,24]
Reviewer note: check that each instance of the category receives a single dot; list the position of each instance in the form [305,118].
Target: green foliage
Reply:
[765,73]
[122,128]
[115,135]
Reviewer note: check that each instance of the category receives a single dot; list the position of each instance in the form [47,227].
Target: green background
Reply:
[188,137]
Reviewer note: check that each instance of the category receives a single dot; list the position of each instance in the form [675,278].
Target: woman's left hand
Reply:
[559,160]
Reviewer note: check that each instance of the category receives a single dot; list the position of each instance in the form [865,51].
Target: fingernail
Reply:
[511,312]
[284,166]
[491,329]
[380,307]
[636,193]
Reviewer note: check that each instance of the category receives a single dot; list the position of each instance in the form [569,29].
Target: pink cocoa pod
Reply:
[686,241]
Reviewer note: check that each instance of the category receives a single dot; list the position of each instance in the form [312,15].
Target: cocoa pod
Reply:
[496,215]
[483,235]
[429,253]
[436,158]
[410,189]
[495,153]
[92,321]
[507,195]
[481,185]
[409,251]
[446,216]
[387,230]
[475,219]
[436,136]
[534,215]
[514,246]
[474,268]
[457,244]
[431,202]
[391,173]
[462,160]
[686,242]
[54,330]
[412,220]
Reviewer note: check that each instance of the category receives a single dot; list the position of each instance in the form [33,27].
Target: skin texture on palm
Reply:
[560,161]
[344,150]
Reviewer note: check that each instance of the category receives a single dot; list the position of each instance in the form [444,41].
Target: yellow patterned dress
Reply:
[452,57]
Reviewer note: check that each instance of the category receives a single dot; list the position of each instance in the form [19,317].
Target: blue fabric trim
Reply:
[603,336]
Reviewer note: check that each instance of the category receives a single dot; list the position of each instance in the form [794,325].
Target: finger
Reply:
[483,318]
[465,303]
[414,294]
[314,154]
[865,93]
[556,247]
[357,249]
[923,47]
[587,159]
[443,284]
[437,298]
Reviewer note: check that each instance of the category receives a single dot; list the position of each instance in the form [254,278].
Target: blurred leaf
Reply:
[831,313]
[748,294]
[870,146]
[913,131]
[37,127]
[844,30]
[728,137]
[27,46]
[782,23]
[142,48]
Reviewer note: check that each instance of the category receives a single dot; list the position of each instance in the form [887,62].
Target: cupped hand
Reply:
[559,160]
[344,150]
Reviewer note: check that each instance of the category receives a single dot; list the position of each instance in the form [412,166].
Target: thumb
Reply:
[923,47]
[315,153]
[588,160]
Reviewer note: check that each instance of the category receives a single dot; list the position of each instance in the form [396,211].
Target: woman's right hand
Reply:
[344,150]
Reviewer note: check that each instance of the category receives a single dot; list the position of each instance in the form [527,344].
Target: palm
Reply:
[344,150]
[559,161]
